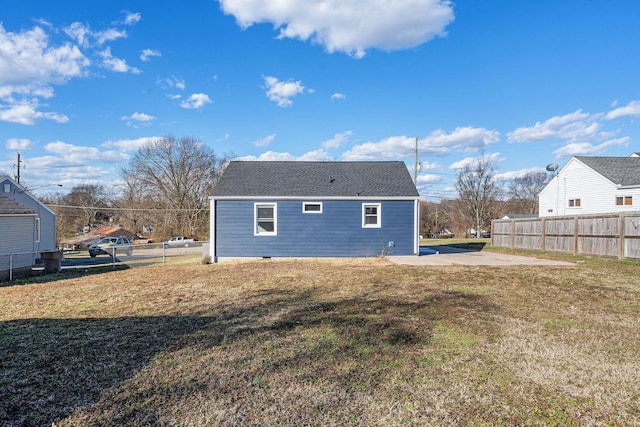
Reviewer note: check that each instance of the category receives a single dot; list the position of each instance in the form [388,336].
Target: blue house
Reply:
[313,209]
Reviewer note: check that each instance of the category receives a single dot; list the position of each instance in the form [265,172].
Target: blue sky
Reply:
[84,84]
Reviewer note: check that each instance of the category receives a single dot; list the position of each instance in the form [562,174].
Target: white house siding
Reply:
[596,193]
[18,240]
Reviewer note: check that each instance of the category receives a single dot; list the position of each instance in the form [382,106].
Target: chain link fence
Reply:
[23,264]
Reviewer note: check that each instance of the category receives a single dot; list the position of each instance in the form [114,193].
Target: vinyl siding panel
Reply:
[17,239]
[336,232]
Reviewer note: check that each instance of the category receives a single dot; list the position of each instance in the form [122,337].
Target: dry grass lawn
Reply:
[324,342]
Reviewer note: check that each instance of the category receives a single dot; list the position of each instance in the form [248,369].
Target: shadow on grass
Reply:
[53,368]
[67,273]
[50,367]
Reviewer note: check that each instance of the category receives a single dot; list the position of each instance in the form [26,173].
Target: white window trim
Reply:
[275,219]
[37,236]
[379,215]
[623,204]
[304,205]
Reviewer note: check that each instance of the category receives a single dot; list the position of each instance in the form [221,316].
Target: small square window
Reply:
[308,207]
[371,215]
[574,203]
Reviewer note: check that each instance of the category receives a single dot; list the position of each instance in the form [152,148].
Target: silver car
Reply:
[112,246]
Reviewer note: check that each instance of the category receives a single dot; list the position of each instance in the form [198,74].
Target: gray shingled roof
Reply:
[10,207]
[623,171]
[315,179]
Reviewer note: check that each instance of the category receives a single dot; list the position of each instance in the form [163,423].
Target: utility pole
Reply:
[17,177]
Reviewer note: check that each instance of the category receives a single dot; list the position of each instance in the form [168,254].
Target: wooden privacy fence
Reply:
[608,235]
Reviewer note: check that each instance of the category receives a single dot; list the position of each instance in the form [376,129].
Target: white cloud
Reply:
[147,54]
[631,109]
[172,82]
[116,64]
[395,147]
[109,35]
[588,149]
[468,139]
[80,155]
[84,35]
[132,18]
[264,141]
[337,96]
[338,140]
[26,113]
[439,143]
[195,101]
[510,175]
[282,92]
[130,144]
[316,155]
[18,144]
[269,156]
[570,127]
[424,179]
[28,59]
[350,26]
[138,119]
[493,159]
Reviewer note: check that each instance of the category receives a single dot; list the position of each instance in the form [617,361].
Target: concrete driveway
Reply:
[449,255]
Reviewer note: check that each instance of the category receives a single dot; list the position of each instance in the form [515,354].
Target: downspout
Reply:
[416,227]
[212,232]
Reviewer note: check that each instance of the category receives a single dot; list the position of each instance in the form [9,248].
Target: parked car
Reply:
[111,246]
[179,242]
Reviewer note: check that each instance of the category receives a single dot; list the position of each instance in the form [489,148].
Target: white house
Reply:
[593,185]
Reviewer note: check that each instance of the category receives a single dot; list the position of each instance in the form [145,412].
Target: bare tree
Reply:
[525,189]
[478,190]
[176,175]
[83,205]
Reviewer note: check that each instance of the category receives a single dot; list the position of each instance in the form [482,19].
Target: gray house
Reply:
[19,236]
[40,230]
[313,209]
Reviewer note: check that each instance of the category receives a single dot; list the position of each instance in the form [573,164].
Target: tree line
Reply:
[164,191]
[481,198]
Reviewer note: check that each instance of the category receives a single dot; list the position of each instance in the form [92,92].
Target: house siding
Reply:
[596,193]
[47,216]
[17,239]
[336,232]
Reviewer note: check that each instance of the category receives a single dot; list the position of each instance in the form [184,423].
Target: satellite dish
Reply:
[552,167]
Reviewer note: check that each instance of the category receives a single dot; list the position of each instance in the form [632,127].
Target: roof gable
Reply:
[315,179]
[623,171]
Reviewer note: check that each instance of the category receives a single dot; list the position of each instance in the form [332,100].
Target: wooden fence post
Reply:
[621,237]
[575,235]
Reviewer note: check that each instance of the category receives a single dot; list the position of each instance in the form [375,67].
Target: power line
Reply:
[100,208]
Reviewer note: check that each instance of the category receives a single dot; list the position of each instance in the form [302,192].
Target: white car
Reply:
[111,246]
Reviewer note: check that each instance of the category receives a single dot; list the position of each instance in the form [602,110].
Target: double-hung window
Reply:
[371,215]
[266,219]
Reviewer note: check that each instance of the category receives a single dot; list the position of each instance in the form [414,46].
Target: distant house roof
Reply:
[11,207]
[315,179]
[518,216]
[86,239]
[624,171]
